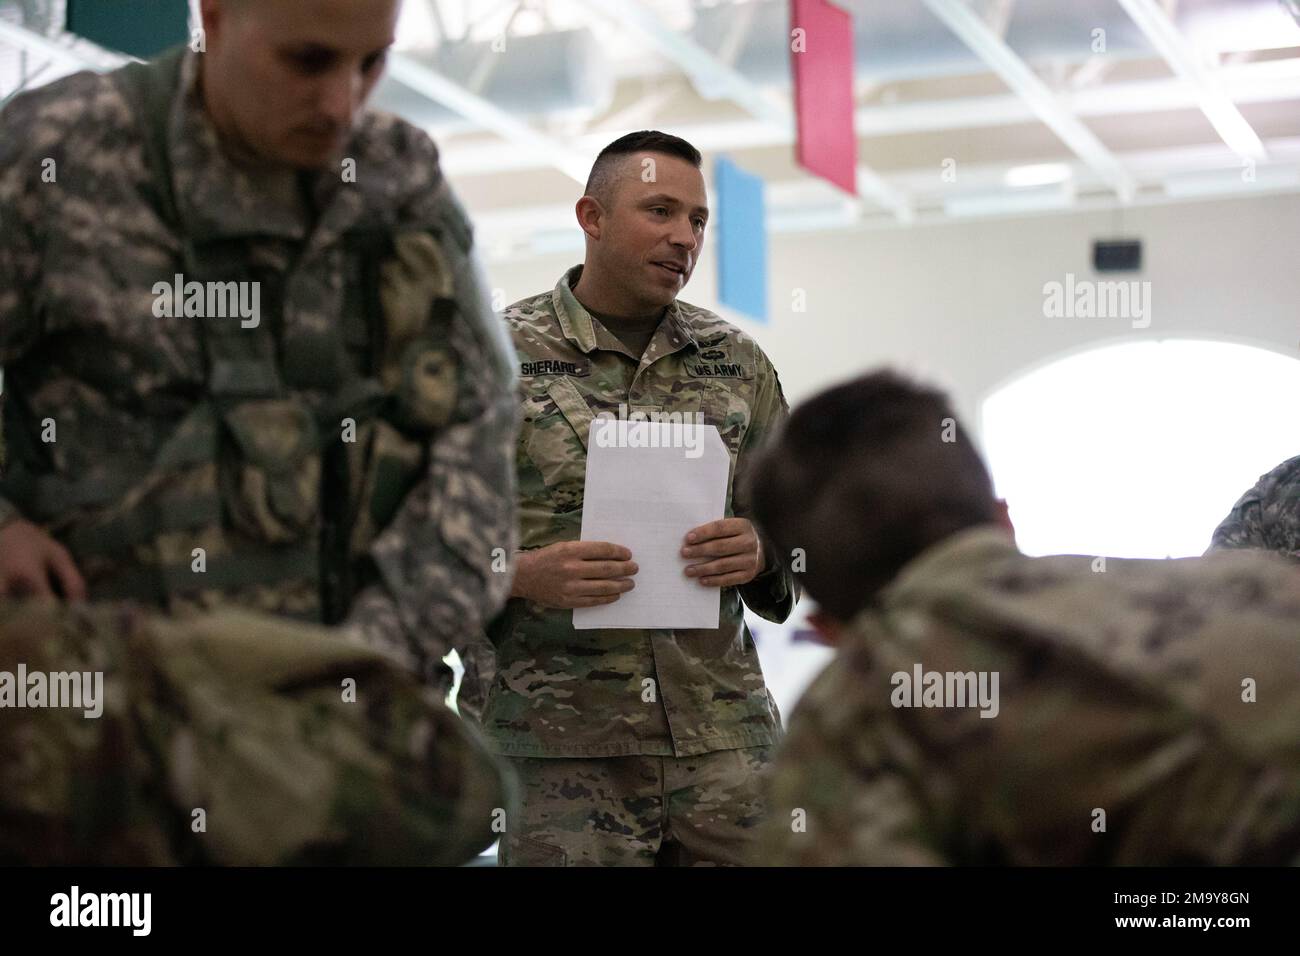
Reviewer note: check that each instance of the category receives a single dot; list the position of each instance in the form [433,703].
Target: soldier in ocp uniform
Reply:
[1267,516]
[249,357]
[226,738]
[985,707]
[633,747]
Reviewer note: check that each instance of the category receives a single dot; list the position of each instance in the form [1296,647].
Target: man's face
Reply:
[288,79]
[652,233]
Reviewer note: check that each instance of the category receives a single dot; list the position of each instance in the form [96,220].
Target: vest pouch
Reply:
[270,484]
[393,466]
[429,391]
[418,305]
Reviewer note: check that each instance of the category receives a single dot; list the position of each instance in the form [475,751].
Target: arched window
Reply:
[1140,449]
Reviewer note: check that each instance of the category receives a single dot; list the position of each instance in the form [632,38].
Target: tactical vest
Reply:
[281,488]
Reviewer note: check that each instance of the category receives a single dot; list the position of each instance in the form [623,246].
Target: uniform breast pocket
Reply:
[550,443]
[726,407]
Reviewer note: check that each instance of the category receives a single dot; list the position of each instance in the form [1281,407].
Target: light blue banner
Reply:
[742,240]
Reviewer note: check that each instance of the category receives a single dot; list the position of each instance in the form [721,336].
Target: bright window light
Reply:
[416,29]
[1039,174]
[1139,450]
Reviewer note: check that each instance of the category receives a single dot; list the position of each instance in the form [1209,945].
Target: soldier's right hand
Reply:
[32,564]
[574,574]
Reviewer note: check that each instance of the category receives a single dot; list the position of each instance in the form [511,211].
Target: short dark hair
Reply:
[864,477]
[600,182]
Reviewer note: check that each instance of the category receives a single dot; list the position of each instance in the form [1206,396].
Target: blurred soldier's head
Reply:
[644,212]
[864,477]
[284,81]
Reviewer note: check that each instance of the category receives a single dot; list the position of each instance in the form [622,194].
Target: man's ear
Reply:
[591,215]
[827,626]
[213,14]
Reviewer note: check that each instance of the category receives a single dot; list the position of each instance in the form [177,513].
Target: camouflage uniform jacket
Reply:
[81,247]
[1164,694]
[1267,516]
[565,692]
[296,747]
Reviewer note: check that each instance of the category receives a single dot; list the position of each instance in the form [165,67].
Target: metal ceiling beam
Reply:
[714,79]
[468,101]
[997,14]
[1266,81]
[738,35]
[1186,62]
[711,77]
[472,106]
[1007,64]
[878,189]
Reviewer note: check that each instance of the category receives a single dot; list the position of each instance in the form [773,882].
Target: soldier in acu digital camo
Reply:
[986,707]
[249,357]
[634,747]
[1267,516]
[226,738]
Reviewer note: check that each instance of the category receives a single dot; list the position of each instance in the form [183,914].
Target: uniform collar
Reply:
[979,546]
[680,328]
[220,200]
[575,321]
[578,327]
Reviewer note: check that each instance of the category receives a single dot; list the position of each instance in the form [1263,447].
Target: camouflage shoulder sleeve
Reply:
[773,594]
[47,136]
[20,216]
[1267,516]
[231,739]
[445,559]
[839,794]
[425,198]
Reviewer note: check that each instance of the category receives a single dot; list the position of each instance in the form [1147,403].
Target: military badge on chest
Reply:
[717,362]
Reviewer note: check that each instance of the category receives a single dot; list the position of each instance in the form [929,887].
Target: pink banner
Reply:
[821,48]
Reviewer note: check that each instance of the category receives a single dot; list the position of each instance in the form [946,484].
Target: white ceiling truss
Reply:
[515,90]
[985,40]
[1191,66]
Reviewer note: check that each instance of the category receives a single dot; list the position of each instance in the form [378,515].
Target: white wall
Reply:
[963,303]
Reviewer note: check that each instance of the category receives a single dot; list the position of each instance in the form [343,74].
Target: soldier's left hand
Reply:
[730,551]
